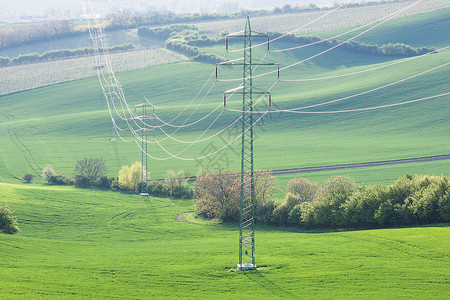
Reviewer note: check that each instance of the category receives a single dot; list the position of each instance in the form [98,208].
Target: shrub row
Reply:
[411,200]
[130,19]
[57,54]
[397,49]
[184,39]
[339,203]
[12,37]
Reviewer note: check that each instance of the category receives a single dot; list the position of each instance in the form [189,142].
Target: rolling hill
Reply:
[88,243]
[62,123]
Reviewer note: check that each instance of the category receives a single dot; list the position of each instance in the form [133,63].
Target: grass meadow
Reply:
[81,243]
[62,123]
[86,243]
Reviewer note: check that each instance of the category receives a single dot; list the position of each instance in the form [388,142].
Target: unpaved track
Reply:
[362,165]
[359,165]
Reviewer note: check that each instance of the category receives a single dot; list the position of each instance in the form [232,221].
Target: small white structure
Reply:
[246,266]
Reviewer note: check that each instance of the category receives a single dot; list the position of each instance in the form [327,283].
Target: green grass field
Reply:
[85,243]
[62,123]
[78,243]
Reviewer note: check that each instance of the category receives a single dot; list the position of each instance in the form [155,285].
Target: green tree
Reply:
[130,176]
[88,170]
[124,177]
[28,177]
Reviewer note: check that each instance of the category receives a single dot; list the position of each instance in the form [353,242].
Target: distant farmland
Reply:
[25,77]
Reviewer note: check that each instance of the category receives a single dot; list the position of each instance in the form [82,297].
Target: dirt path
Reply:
[177,218]
[359,165]
[362,165]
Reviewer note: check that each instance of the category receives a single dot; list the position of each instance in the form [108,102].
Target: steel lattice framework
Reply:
[144,146]
[247,205]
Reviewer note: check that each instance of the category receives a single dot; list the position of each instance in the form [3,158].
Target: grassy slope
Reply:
[63,123]
[79,243]
[418,30]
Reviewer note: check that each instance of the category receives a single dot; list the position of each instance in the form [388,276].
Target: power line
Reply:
[351,96]
[297,29]
[370,91]
[367,70]
[367,108]
[341,34]
[329,49]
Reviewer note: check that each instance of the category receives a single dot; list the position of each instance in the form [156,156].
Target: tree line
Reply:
[92,172]
[183,39]
[338,203]
[58,54]
[391,49]
[127,18]
[186,39]
[12,37]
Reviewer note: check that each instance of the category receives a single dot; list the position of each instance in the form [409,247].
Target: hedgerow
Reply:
[58,54]
[338,203]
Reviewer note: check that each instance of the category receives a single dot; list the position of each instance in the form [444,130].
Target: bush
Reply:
[104,182]
[175,182]
[158,188]
[444,207]
[27,177]
[183,191]
[295,216]
[360,209]
[264,212]
[59,179]
[48,172]
[8,222]
[280,214]
[327,210]
[82,181]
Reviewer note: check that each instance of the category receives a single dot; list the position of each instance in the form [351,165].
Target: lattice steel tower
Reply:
[144,145]
[247,205]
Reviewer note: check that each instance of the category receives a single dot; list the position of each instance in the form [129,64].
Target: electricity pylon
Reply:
[247,205]
[144,146]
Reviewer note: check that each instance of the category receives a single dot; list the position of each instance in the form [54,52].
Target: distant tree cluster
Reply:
[88,172]
[175,185]
[338,203]
[397,49]
[11,37]
[184,39]
[51,177]
[127,18]
[58,54]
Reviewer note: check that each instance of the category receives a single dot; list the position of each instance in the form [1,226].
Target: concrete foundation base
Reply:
[244,267]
